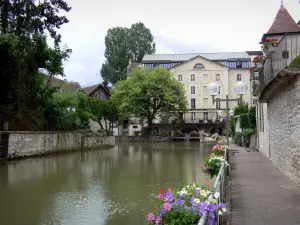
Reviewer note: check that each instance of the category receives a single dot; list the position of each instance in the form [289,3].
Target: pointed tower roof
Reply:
[283,23]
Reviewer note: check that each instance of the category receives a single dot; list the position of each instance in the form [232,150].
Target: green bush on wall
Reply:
[238,139]
[295,62]
[252,117]
[244,121]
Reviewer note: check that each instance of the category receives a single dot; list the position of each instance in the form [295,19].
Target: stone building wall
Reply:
[22,144]
[284,128]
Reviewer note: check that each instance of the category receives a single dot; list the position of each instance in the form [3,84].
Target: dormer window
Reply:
[239,64]
[199,66]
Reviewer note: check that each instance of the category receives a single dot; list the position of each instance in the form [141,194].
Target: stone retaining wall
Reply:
[284,129]
[21,144]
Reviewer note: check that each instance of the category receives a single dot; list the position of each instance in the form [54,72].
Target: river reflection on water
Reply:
[116,186]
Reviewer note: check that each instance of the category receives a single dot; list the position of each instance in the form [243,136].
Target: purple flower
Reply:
[211,215]
[211,221]
[197,190]
[151,217]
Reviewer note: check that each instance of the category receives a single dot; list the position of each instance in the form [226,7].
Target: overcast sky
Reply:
[189,26]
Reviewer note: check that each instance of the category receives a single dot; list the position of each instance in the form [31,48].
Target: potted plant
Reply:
[258,61]
[269,45]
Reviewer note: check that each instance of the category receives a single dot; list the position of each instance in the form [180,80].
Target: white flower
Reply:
[197,200]
[224,209]
[217,195]
[220,212]
[203,193]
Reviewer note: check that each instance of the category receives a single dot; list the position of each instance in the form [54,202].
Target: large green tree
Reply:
[149,93]
[24,50]
[123,44]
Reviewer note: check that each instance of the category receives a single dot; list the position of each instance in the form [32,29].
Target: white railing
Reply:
[219,186]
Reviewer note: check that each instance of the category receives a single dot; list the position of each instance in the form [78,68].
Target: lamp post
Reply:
[240,88]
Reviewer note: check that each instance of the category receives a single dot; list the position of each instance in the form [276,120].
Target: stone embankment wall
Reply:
[21,144]
[284,129]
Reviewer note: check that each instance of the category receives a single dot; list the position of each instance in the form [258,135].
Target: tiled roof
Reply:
[89,90]
[184,57]
[283,23]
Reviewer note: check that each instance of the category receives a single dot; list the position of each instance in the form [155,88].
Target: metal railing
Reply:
[287,49]
[219,186]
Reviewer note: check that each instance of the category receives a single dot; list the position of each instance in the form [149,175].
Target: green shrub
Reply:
[244,121]
[232,126]
[252,117]
[238,139]
[247,133]
[295,62]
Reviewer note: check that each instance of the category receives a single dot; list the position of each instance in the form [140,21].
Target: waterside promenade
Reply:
[261,194]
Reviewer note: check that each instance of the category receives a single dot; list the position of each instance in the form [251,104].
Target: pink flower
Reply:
[151,217]
[158,220]
[167,206]
[217,164]
[160,196]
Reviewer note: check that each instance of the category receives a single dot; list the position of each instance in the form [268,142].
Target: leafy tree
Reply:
[24,49]
[73,106]
[104,111]
[149,93]
[123,44]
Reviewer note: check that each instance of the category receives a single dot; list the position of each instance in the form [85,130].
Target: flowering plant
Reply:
[212,164]
[259,58]
[219,149]
[185,206]
[270,42]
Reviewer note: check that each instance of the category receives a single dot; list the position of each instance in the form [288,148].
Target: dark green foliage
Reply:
[238,139]
[252,117]
[247,133]
[241,109]
[244,121]
[295,62]
[24,50]
[123,44]
[232,126]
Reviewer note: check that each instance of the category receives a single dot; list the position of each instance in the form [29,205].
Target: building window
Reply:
[205,115]
[204,90]
[217,77]
[193,77]
[198,66]
[193,103]
[239,64]
[193,116]
[193,90]
[179,77]
[239,77]
[218,104]
[219,89]
[285,54]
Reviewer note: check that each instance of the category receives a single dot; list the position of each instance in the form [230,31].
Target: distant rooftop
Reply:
[254,53]
[283,23]
[184,57]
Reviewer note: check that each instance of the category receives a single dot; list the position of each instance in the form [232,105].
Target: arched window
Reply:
[198,66]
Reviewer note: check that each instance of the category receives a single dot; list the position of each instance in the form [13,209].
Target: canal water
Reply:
[117,186]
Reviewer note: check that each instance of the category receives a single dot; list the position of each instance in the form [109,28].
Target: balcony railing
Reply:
[287,49]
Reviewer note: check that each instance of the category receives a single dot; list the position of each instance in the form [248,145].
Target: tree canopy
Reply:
[123,44]
[149,93]
[23,51]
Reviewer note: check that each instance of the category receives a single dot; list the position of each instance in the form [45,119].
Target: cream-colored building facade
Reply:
[196,74]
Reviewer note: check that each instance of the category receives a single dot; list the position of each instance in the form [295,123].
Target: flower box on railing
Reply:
[259,65]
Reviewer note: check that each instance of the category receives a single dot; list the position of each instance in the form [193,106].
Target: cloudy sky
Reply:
[178,26]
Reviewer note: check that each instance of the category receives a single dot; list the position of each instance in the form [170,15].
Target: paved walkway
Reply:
[261,194]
